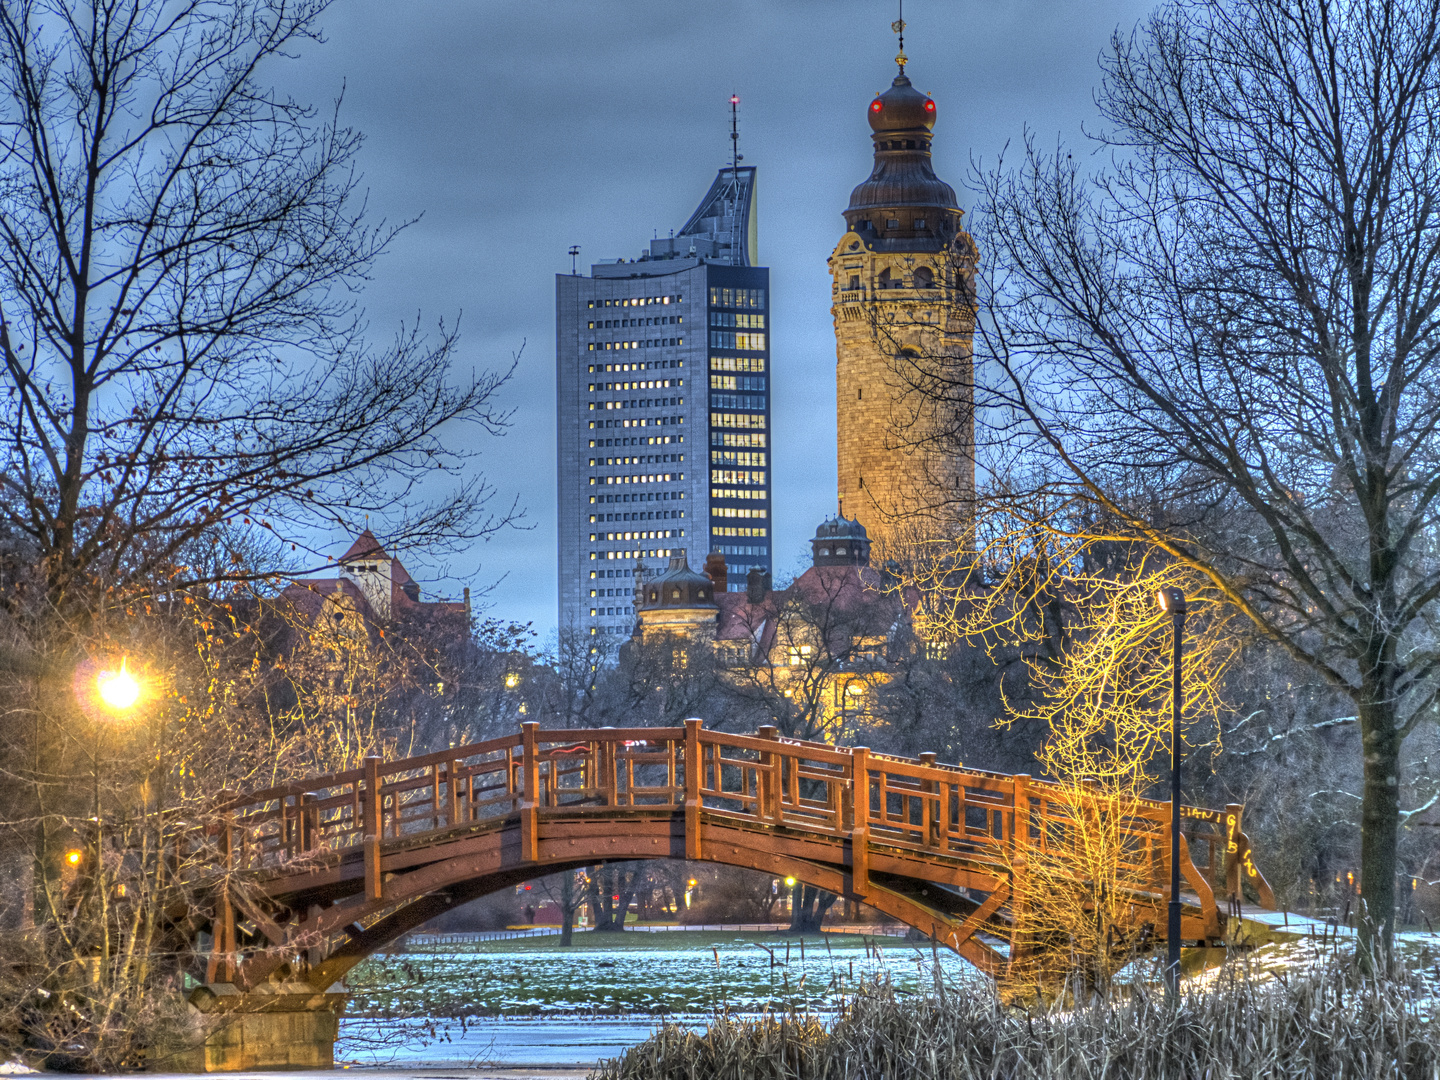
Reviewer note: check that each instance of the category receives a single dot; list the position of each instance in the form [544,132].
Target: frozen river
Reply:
[530,1002]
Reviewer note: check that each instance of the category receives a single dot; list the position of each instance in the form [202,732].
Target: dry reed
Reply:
[1324,1024]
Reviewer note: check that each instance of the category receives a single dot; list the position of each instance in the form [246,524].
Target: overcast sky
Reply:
[518,129]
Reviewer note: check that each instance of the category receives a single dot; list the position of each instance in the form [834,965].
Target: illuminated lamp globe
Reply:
[118,689]
[790,881]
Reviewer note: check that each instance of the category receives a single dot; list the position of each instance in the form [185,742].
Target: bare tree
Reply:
[1225,344]
[180,247]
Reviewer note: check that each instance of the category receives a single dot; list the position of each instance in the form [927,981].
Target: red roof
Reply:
[366,546]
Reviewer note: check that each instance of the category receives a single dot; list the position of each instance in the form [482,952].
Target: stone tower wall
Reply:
[895,475]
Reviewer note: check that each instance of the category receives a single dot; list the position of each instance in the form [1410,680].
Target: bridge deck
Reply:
[319,872]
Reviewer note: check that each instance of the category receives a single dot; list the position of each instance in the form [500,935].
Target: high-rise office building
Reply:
[663,410]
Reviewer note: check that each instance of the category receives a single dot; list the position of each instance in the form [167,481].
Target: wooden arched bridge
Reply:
[313,876]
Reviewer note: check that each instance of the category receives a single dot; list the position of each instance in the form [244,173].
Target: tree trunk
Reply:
[1379,822]
[567,909]
[808,907]
[610,893]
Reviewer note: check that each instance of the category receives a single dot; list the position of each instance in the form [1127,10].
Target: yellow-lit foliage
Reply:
[1097,650]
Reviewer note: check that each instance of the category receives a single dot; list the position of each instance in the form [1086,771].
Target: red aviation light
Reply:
[876,105]
[734,99]
[929,105]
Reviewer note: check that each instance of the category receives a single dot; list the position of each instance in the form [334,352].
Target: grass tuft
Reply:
[1326,1024]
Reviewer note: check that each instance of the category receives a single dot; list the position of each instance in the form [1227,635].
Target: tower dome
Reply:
[678,587]
[901,120]
[902,108]
[840,541]
[678,603]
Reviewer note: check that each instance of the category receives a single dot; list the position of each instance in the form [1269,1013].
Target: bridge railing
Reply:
[877,801]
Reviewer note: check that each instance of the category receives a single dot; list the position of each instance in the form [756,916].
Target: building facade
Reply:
[812,655]
[901,287]
[663,410]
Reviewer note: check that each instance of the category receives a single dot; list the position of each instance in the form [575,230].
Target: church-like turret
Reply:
[901,289]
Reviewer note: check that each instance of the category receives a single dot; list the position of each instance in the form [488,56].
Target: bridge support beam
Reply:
[287,1029]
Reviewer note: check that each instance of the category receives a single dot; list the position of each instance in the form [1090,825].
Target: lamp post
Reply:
[118,691]
[1173,601]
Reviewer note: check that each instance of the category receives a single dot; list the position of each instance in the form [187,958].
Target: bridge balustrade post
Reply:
[221,965]
[374,820]
[452,793]
[309,821]
[1233,854]
[1019,878]
[860,821]
[530,793]
[694,777]
[766,780]
[929,808]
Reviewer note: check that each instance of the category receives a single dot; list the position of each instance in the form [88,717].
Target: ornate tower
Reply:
[901,286]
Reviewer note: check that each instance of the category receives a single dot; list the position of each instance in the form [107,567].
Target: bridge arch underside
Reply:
[313,925]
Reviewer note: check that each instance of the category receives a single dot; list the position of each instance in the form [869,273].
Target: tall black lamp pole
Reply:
[1173,601]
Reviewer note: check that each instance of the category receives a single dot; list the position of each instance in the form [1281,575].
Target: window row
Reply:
[737,512]
[741,549]
[729,339]
[645,459]
[737,438]
[654,440]
[730,476]
[650,515]
[653,534]
[649,343]
[636,301]
[740,321]
[643,553]
[636,403]
[737,363]
[737,401]
[639,497]
[644,384]
[646,478]
[737,382]
[743,298]
[737,457]
[647,421]
[619,324]
[737,493]
[894,278]
[730,530]
[653,365]
[737,420]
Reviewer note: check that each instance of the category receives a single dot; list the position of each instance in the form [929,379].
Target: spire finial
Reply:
[899,27]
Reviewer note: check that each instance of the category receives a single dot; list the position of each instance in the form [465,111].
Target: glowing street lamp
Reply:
[1173,601]
[119,690]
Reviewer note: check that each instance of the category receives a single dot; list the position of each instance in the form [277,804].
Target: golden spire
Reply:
[898,26]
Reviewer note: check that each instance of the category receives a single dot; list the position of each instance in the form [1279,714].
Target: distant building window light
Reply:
[892,223]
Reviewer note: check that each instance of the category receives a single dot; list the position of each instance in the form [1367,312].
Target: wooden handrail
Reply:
[865,798]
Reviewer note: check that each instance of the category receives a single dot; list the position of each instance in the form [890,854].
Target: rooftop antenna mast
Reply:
[735,159]
[898,26]
[574,254]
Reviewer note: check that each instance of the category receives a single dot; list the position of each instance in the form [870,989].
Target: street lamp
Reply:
[119,690]
[1173,601]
